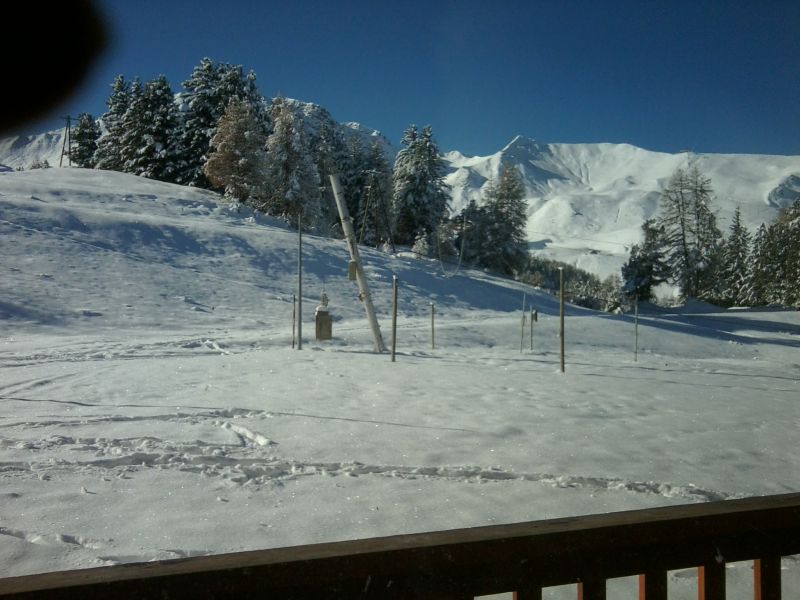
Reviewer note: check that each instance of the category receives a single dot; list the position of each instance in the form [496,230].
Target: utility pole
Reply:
[66,144]
[363,286]
[561,312]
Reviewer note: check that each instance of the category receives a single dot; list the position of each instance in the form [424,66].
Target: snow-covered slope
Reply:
[21,151]
[586,202]
[153,407]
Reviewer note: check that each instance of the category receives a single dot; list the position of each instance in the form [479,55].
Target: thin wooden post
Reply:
[300,281]
[636,329]
[294,318]
[522,328]
[711,581]
[534,593]
[653,585]
[592,589]
[433,328]
[361,278]
[767,578]
[394,315]
[531,328]
[561,311]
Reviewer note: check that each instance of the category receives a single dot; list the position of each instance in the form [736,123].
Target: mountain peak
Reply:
[521,142]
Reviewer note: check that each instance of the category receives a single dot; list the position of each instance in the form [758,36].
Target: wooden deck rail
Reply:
[521,557]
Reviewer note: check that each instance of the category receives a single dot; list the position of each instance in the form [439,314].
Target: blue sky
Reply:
[718,76]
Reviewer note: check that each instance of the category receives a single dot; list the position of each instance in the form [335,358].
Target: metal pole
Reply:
[300,282]
[394,315]
[294,318]
[433,329]
[522,328]
[561,312]
[64,142]
[636,329]
[363,287]
[531,328]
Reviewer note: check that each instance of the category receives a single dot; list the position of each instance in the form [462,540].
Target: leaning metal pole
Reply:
[363,288]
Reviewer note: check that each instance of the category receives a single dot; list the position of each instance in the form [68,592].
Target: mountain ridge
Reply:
[586,202]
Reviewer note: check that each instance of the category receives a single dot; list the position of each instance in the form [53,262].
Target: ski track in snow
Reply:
[253,462]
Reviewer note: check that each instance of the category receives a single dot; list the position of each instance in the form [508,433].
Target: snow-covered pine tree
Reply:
[708,238]
[419,199]
[161,151]
[149,131]
[207,94]
[473,225]
[108,155]
[293,185]
[237,160]
[375,227]
[646,267]
[734,273]
[421,245]
[505,247]
[691,235]
[759,268]
[330,156]
[84,136]
[785,233]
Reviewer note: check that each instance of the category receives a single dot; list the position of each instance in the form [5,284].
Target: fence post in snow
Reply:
[433,330]
[394,315]
[300,281]
[636,330]
[561,311]
[294,318]
[522,332]
[532,318]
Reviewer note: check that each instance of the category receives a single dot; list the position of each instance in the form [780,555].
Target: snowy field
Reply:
[153,408]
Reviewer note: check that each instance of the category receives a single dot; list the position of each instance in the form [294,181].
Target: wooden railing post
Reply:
[653,585]
[711,581]
[529,594]
[592,589]
[767,578]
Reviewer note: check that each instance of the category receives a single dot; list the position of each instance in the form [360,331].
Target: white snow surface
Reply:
[153,406]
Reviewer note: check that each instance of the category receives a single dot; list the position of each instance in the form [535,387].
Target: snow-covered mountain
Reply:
[586,202]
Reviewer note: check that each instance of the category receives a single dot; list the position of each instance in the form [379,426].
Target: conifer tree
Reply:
[207,94]
[130,129]
[108,155]
[330,156]
[237,161]
[645,268]
[375,227]
[293,185]
[84,135]
[785,242]
[472,235]
[149,131]
[505,247]
[760,266]
[690,233]
[734,272]
[419,198]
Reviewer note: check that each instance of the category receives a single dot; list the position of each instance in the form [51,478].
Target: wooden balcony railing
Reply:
[521,558]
